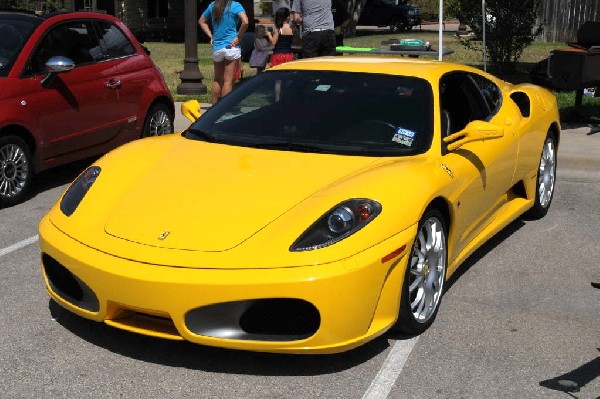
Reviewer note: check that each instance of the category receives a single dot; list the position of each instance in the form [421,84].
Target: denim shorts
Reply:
[232,53]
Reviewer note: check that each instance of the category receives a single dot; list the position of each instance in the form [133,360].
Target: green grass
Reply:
[169,57]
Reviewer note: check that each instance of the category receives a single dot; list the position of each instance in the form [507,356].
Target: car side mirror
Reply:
[56,65]
[191,110]
[474,131]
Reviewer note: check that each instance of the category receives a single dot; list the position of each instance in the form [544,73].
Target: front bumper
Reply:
[324,308]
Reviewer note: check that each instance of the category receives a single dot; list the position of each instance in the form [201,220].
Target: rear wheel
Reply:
[159,121]
[16,170]
[546,177]
[425,275]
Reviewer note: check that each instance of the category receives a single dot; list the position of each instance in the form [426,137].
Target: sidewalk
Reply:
[578,150]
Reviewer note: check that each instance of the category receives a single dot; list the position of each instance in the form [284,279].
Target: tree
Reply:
[510,27]
[46,5]
[10,4]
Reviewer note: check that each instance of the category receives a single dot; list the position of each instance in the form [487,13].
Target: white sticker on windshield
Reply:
[404,137]
[323,87]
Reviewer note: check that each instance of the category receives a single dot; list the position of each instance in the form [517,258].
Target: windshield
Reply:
[344,113]
[13,35]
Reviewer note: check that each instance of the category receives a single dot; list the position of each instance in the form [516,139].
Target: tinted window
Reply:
[490,92]
[75,40]
[13,35]
[115,42]
[461,101]
[336,112]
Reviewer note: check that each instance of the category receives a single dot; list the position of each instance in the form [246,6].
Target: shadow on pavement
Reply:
[487,247]
[576,379]
[198,357]
[58,176]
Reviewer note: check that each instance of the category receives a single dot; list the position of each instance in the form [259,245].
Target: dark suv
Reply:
[72,86]
[399,17]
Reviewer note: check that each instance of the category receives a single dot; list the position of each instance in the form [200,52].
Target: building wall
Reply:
[563,18]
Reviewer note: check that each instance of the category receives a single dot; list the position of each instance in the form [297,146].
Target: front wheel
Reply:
[16,171]
[425,276]
[546,178]
[159,121]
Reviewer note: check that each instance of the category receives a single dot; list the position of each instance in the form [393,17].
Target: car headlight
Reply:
[70,201]
[341,221]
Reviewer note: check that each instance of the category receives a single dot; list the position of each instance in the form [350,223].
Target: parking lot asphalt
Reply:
[578,149]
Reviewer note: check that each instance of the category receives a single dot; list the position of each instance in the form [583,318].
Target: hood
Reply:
[211,197]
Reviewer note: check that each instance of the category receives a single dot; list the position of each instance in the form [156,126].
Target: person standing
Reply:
[341,20]
[282,38]
[260,53]
[225,38]
[316,19]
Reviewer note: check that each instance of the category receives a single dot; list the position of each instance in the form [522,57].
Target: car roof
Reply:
[421,68]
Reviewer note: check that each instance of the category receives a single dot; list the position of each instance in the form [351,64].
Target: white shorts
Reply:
[230,54]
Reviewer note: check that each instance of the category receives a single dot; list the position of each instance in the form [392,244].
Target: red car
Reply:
[72,86]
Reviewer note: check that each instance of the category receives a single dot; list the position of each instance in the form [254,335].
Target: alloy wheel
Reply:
[14,170]
[427,270]
[160,123]
[547,173]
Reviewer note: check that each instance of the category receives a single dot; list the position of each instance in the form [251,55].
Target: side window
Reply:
[75,40]
[490,92]
[114,41]
[461,102]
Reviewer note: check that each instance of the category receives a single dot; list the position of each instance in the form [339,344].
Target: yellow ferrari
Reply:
[318,205]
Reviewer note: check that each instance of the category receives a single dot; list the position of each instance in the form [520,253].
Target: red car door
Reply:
[78,109]
[136,75]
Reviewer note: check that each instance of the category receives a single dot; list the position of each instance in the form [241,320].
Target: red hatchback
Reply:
[72,86]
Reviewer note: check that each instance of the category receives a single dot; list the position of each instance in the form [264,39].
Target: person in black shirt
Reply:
[341,20]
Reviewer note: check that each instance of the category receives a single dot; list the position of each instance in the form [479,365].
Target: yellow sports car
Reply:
[318,205]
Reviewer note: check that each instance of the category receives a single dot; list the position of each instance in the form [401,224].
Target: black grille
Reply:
[281,316]
[68,286]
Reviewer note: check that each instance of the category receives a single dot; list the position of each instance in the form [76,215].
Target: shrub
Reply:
[510,27]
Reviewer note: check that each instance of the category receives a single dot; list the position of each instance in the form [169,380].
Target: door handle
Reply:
[113,84]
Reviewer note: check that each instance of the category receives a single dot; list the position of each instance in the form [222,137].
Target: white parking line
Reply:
[390,370]
[19,245]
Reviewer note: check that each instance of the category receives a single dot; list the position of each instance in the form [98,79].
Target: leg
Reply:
[310,45]
[327,43]
[218,82]
[228,76]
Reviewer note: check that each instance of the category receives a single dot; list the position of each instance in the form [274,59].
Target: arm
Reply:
[203,23]
[244,25]
[272,37]
[346,23]
[297,12]
[298,18]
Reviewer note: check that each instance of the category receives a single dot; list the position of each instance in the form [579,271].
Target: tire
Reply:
[159,121]
[546,179]
[425,275]
[398,25]
[16,170]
